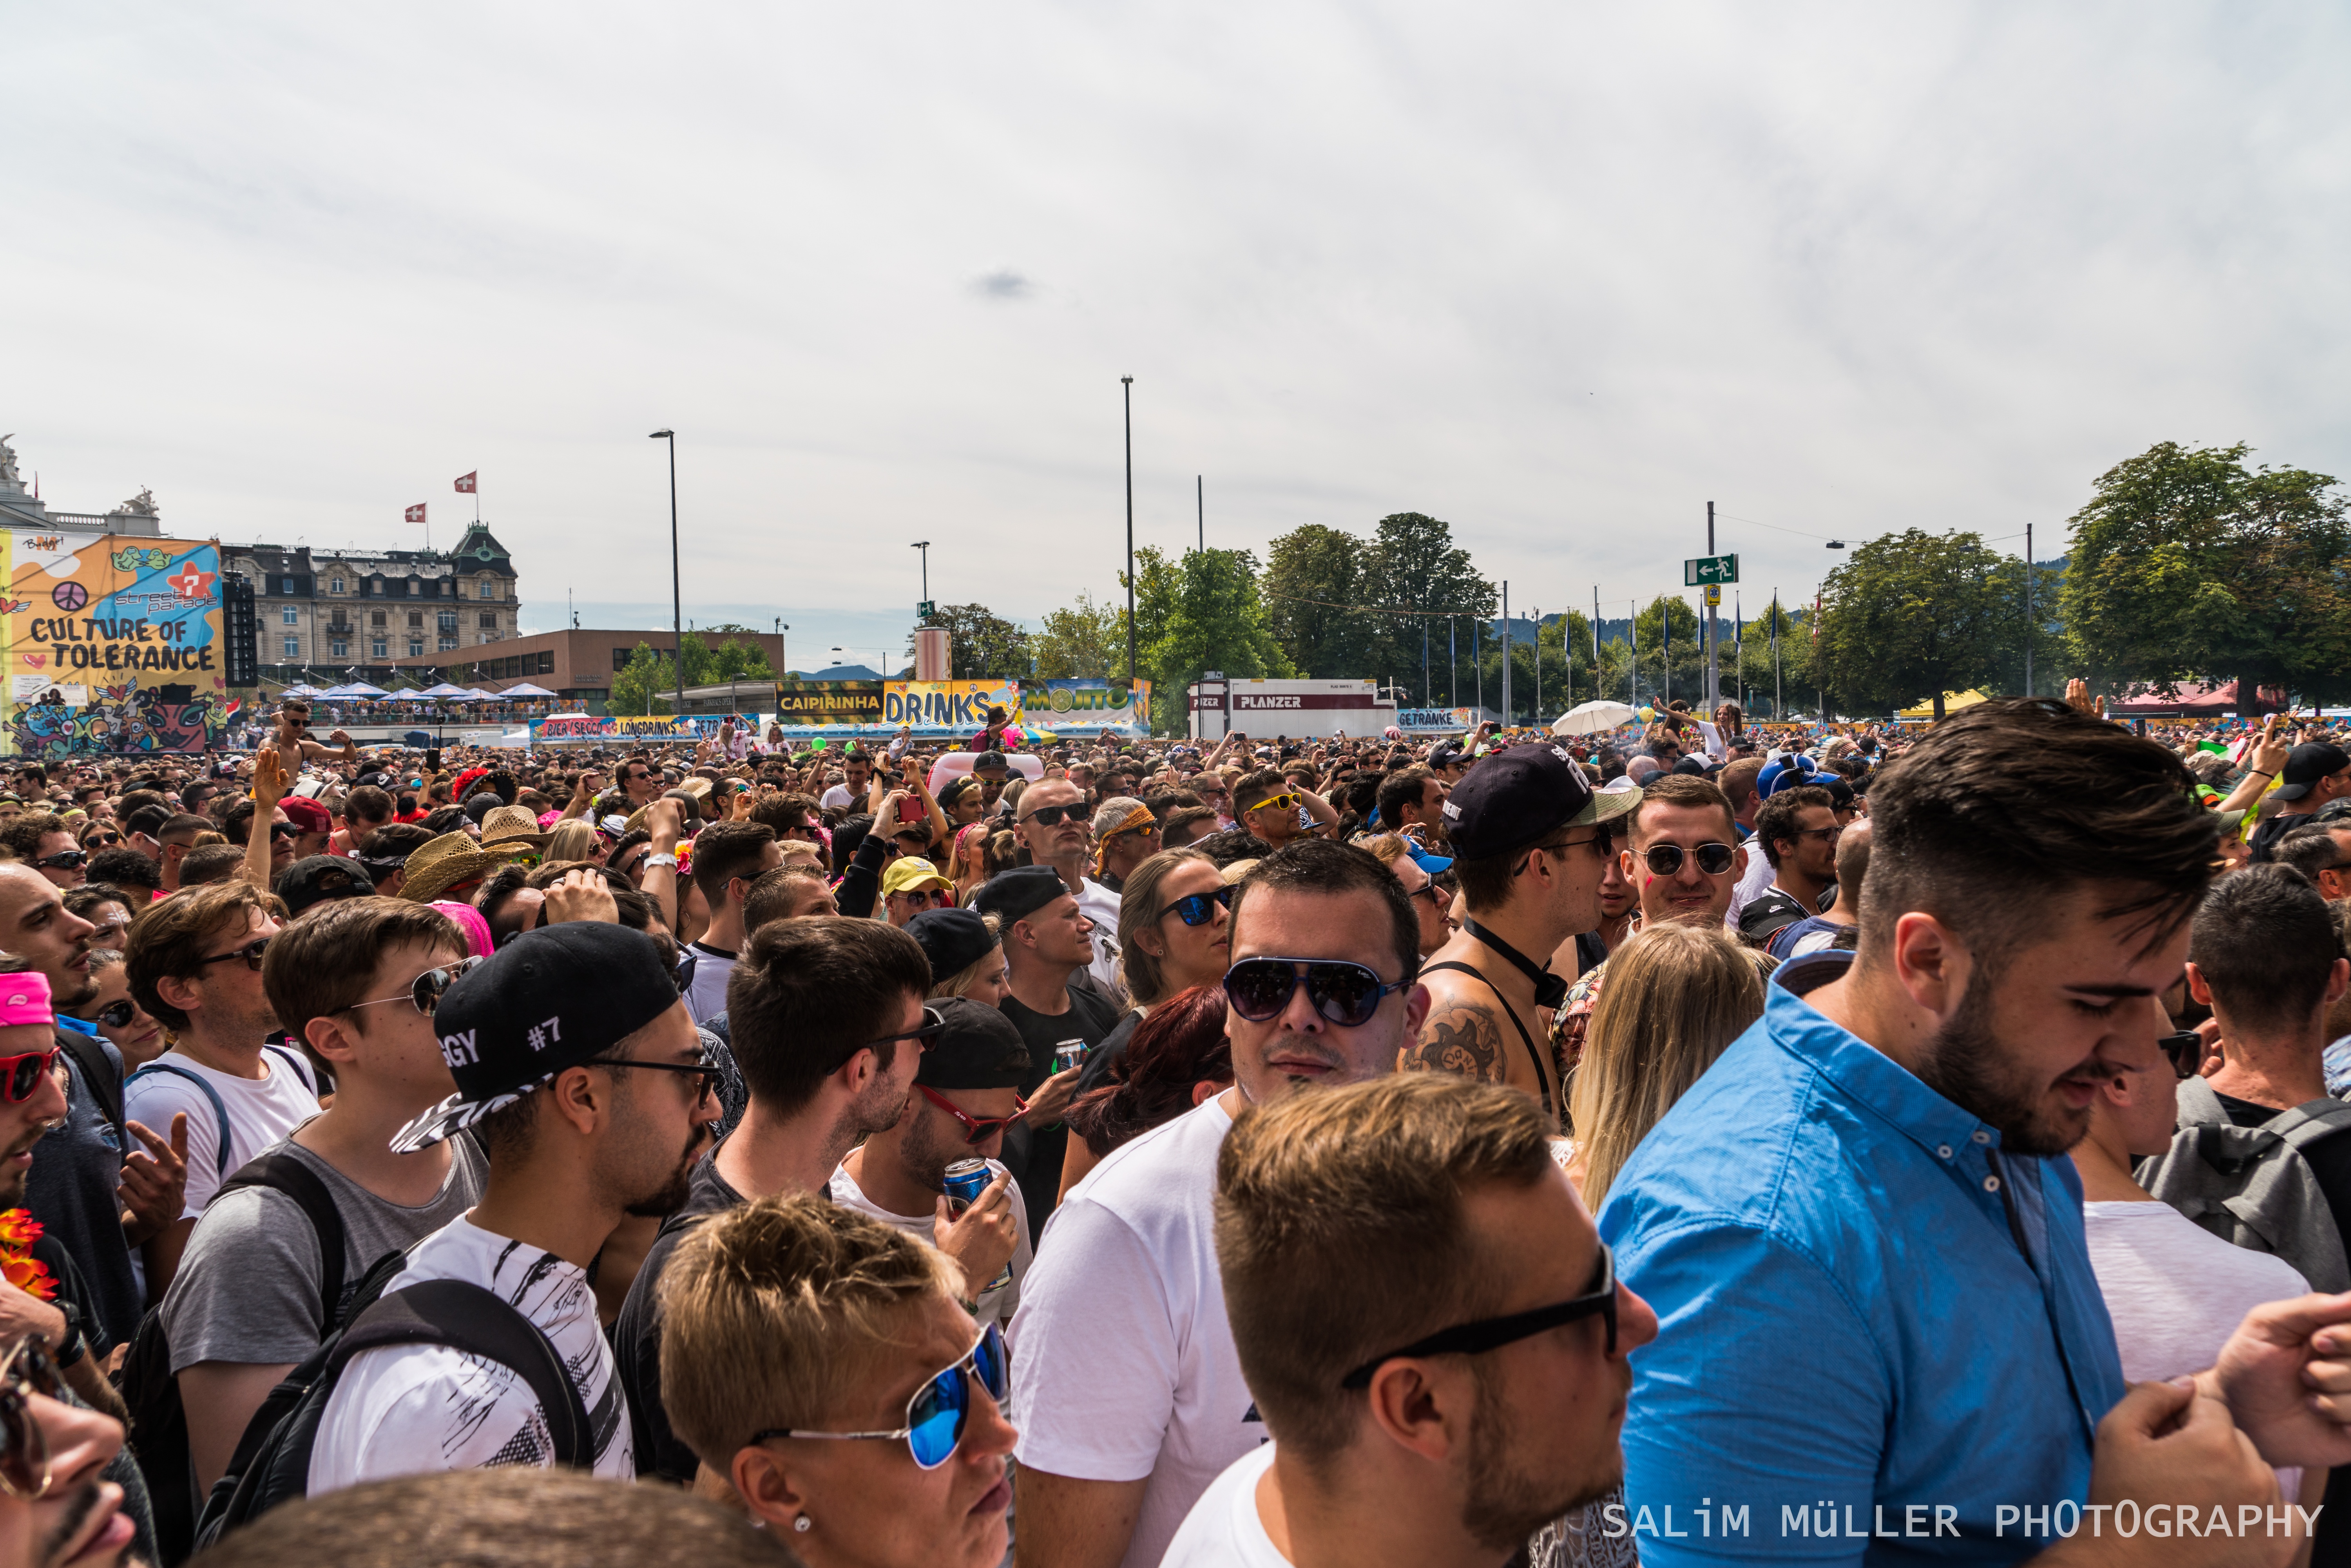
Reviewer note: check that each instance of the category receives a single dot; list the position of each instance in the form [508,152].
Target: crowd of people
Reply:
[1694,1142]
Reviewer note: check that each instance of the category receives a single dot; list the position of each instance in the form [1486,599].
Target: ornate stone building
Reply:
[329,610]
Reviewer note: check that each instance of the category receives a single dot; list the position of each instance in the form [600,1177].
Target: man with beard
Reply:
[966,1092]
[1434,1333]
[80,1184]
[583,1079]
[1125,1385]
[825,1020]
[1872,1287]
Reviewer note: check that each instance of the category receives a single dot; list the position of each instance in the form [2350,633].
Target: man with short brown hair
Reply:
[1434,1333]
[46,844]
[193,962]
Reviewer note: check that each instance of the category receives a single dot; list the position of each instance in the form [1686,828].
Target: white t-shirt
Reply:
[404,1410]
[2176,1291]
[1224,1529]
[1753,883]
[838,795]
[996,1306]
[1099,904]
[260,1112]
[705,997]
[1122,1363]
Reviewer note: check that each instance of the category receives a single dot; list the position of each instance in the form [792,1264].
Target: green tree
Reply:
[1565,639]
[1316,580]
[731,660]
[1413,569]
[632,693]
[1668,655]
[1086,639]
[1910,616]
[1200,613]
[2188,565]
[982,644]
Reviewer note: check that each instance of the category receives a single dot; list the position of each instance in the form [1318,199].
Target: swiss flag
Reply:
[465,484]
[416,513]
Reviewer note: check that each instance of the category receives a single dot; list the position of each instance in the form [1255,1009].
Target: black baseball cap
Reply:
[2308,763]
[951,939]
[316,879]
[1521,793]
[977,1049]
[1017,894]
[548,999]
[990,762]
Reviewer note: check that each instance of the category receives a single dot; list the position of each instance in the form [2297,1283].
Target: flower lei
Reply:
[18,1231]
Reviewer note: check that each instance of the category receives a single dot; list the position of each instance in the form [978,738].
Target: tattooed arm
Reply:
[1459,1037]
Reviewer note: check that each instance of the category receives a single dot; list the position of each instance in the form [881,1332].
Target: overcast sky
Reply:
[1557,275]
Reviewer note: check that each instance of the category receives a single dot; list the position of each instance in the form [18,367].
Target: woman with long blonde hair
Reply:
[1675,999]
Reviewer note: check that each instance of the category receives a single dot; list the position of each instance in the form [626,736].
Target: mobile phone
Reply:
[432,759]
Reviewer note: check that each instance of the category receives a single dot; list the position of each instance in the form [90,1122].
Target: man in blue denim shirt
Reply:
[1878,1320]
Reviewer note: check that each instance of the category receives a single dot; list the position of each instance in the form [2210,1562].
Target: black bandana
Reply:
[1550,990]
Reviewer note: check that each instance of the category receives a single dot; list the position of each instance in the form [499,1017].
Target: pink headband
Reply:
[25,998]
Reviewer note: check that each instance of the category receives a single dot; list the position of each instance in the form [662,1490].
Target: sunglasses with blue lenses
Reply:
[1198,908]
[939,1410]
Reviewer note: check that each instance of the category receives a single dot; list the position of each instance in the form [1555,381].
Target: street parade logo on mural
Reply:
[132,626]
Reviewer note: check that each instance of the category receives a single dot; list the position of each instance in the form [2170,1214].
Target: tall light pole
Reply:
[924,546]
[1126,397]
[676,595]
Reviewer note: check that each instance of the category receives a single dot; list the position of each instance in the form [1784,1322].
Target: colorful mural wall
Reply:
[112,644]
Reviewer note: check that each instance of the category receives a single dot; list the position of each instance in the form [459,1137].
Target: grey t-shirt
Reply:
[247,1288]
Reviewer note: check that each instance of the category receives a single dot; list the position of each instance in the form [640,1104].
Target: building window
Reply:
[381,652]
[416,647]
[546,662]
[489,589]
[341,649]
[293,647]
[415,618]
[375,618]
[621,657]
[448,642]
[446,588]
[378,588]
[291,616]
[489,620]
[338,585]
[448,621]
[285,585]
[415,589]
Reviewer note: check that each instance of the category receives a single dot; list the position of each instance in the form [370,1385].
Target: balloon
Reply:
[1649,714]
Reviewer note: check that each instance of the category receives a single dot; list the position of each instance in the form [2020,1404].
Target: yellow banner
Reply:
[948,705]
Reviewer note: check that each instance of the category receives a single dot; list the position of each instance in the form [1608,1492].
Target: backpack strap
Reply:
[479,1321]
[98,1071]
[2310,1122]
[1542,1081]
[293,1059]
[220,1111]
[282,1173]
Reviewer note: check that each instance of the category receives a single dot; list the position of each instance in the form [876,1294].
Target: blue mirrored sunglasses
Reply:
[1198,908]
[939,1410]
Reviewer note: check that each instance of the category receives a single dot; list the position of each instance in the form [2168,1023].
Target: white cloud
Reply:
[1558,275]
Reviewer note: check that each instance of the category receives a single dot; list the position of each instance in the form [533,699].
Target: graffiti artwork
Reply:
[131,627]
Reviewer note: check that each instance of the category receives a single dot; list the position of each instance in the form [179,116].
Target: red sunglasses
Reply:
[21,1075]
[975,1129]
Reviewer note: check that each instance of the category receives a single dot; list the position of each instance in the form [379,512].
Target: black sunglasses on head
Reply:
[1492,1333]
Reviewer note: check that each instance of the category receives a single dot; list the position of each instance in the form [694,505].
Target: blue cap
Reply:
[1432,865]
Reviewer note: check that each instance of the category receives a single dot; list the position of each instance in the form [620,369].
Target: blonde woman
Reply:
[1677,997]
[968,862]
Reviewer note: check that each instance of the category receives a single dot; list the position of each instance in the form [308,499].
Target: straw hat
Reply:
[511,827]
[442,863]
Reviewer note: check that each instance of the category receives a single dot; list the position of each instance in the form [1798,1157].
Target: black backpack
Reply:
[273,1460]
[159,1426]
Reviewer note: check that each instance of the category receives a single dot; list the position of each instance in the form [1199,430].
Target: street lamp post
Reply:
[676,597]
[1126,398]
[924,546]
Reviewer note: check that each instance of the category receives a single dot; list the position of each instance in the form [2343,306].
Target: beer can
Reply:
[964,1181]
[1068,1053]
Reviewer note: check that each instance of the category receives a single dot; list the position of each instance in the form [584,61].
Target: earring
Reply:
[802,1523]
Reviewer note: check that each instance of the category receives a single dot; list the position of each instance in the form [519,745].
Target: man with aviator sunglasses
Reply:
[1125,1382]
[966,1092]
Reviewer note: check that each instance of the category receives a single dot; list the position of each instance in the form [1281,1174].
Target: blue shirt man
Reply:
[1872,1323]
